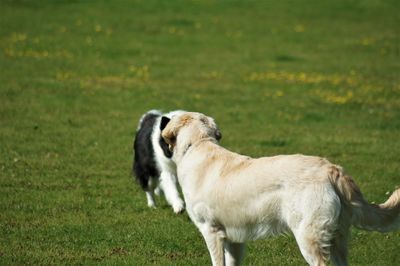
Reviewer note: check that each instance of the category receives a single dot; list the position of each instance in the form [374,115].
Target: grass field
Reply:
[280,77]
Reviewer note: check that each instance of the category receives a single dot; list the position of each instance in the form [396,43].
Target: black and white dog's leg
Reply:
[158,190]
[150,193]
[169,186]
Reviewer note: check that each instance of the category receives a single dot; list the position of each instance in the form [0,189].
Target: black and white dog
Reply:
[152,166]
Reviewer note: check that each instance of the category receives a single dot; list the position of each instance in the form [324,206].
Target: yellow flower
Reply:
[299,28]
[98,28]
[18,37]
[367,41]
[89,40]
[197,25]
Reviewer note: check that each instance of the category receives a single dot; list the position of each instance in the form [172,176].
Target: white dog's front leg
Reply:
[215,244]
[169,186]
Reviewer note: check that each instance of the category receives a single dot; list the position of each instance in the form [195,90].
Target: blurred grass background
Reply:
[280,77]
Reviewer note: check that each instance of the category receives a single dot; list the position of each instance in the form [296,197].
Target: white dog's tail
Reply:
[383,217]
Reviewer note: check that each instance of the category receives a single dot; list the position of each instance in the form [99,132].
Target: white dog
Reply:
[233,198]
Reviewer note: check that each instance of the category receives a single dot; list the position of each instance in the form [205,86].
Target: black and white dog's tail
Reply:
[144,165]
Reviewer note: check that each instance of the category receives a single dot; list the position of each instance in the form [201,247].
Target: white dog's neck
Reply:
[185,146]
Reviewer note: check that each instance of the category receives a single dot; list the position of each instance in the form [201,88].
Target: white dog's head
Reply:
[186,128]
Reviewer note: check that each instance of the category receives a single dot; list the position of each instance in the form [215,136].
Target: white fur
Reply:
[233,198]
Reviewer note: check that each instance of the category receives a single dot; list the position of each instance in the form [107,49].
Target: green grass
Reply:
[313,77]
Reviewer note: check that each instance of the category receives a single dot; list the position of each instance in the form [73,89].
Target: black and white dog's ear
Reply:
[165,148]
[164,121]
[164,145]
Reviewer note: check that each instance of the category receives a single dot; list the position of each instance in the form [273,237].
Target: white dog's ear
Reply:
[164,121]
[170,132]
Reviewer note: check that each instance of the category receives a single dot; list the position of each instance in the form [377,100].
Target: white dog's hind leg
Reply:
[215,244]
[313,238]
[233,253]
[311,254]
[169,187]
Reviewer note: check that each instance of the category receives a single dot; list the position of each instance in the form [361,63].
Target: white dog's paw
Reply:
[178,207]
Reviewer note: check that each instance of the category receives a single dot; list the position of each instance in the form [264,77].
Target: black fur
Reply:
[164,121]
[144,165]
[165,148]
[163,144]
